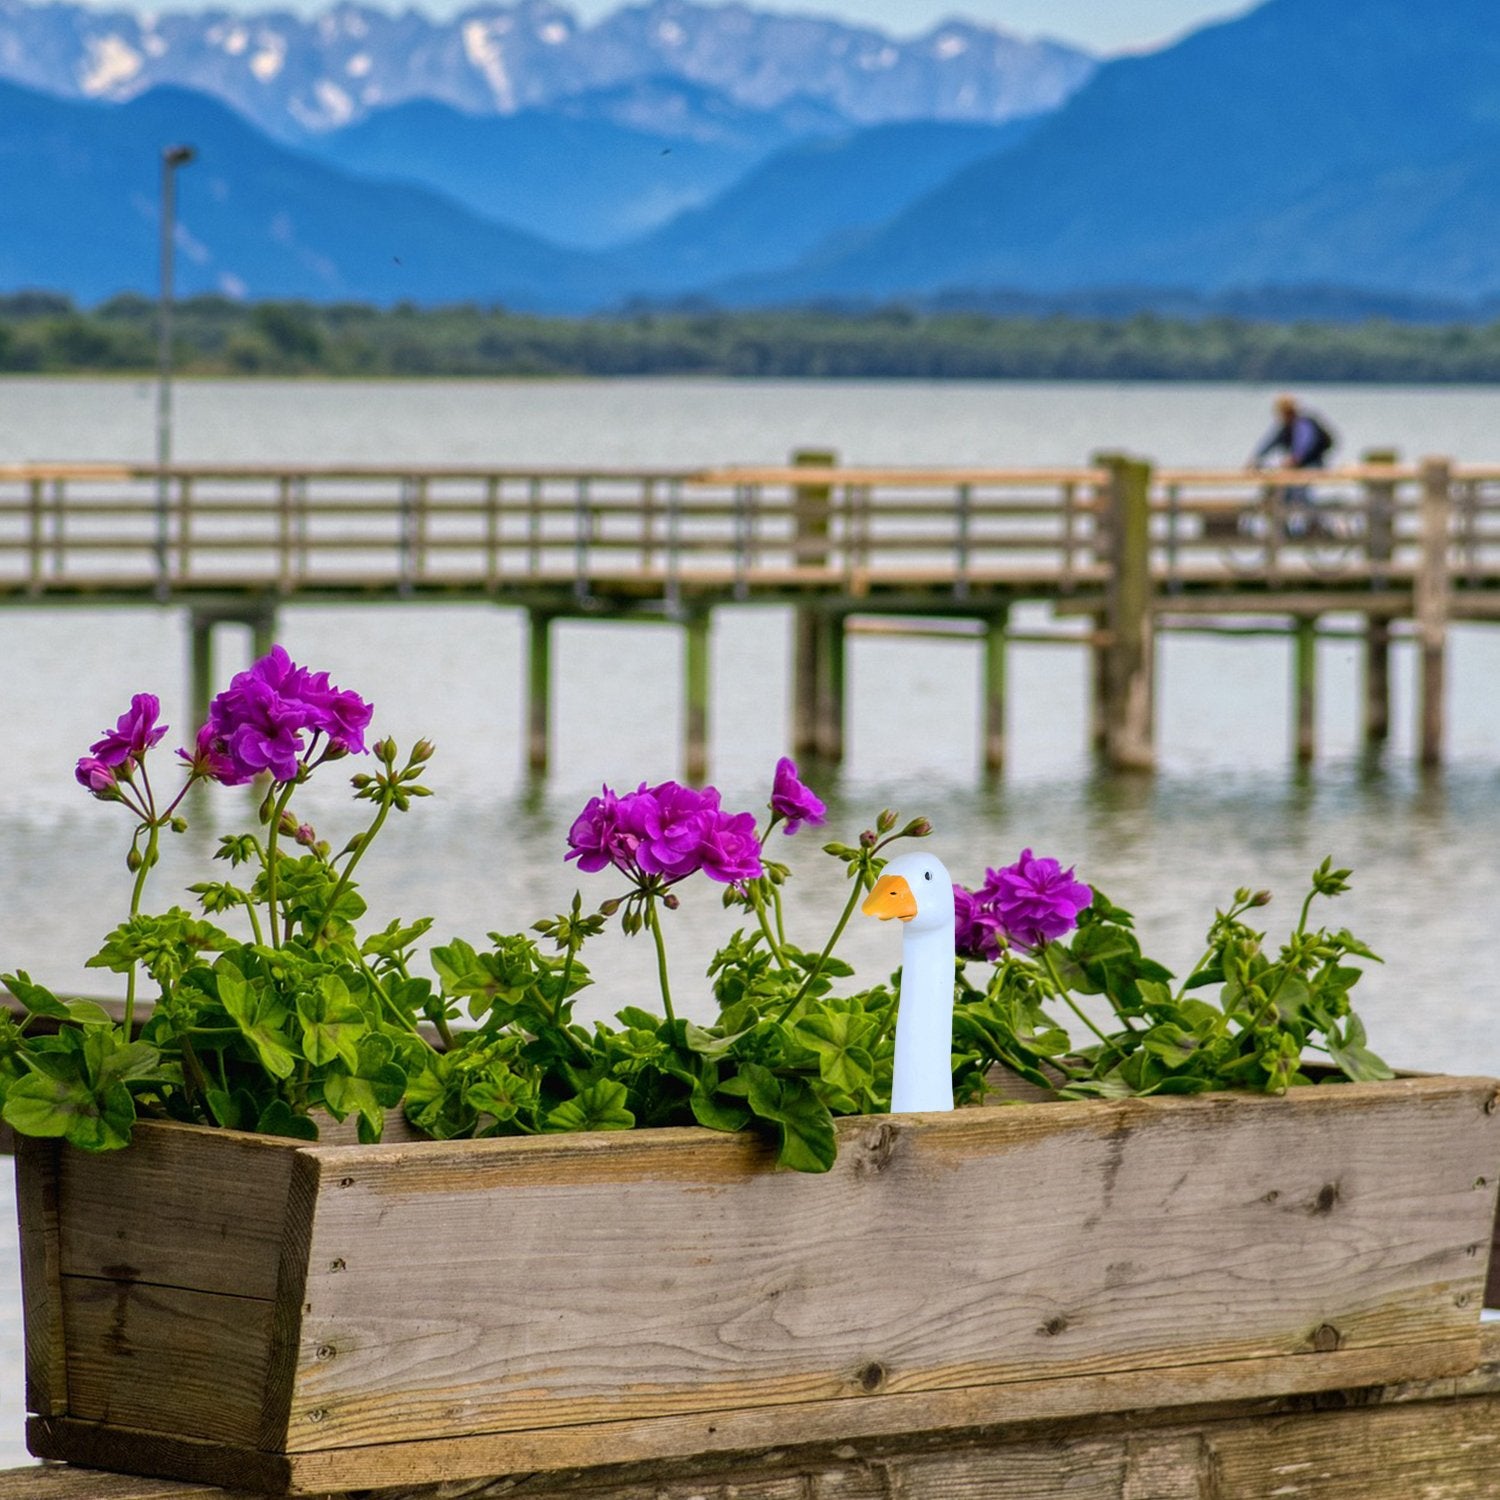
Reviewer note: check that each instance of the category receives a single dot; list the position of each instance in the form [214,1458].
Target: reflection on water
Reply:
[486,852]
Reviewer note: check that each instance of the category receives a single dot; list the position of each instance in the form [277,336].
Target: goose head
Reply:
[915,890]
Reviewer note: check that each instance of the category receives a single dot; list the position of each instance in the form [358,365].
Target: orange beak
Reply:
[891,897]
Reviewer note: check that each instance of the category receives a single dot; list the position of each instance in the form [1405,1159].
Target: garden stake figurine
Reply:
[917,891]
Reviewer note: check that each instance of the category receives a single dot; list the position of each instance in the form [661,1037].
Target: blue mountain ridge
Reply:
[1307,142]
[79,192]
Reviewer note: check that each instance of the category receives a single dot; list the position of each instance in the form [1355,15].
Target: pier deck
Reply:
[1117,549]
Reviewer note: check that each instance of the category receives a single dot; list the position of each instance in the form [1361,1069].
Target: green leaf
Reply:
[1171,1043]
[803,1125]
[332,1024]
[93,1119]
[253,1005]
[279,1118]
[1353,1058]
[601,1106]
[840,1041]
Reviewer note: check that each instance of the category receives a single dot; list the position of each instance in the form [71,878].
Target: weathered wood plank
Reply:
[41,1278]
[179,1210]
[94,1484]
[193,1363]
[1280,1230]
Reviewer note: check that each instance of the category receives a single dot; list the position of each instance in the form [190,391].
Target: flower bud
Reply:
[287,824]
[386,750]
[179,824]
[1261,898]
[886,821]
[360,782]
[918,828]
[671,901]
[306,835]
[133,860]
[868,838]
[610,907]
[422,751]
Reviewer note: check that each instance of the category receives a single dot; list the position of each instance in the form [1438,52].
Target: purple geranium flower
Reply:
[673,820]
[99,778]
[976,928]
[598,838]
[1036,900]
[793,800]
[258,722]
[669,831]
[730,849]
[135,732]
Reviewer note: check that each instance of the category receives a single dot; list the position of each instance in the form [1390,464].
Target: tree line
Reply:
[45,333]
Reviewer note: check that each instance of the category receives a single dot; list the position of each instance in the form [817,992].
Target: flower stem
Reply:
[758,901]
[343,880]
[661,957]
[276,812]
[1067,999]
[817,968]
[147,860]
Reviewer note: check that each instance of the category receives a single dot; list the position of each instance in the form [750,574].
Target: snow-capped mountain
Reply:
[296,76]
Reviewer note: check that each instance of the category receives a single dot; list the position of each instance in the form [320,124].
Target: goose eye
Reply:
[928,874]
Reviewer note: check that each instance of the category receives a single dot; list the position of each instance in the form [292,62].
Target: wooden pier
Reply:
[1121,551]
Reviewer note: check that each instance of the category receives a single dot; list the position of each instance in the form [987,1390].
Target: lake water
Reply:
[485,853]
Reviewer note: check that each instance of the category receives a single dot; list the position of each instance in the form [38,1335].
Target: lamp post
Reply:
[172,157]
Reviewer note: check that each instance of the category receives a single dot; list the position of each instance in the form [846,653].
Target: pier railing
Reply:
[93,528]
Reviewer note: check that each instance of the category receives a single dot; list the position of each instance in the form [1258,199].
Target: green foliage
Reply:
[299,1019]
[217,336]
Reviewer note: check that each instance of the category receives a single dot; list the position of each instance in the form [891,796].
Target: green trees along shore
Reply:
[45,333]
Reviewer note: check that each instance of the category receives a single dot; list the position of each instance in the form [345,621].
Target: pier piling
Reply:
[1430,605]
[995,630]
[538,691]
[1305,687]
[1130,650]
[831,687]
[1380,509]
[811,508]
[696,692]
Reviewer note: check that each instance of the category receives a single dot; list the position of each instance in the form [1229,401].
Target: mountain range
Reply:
[1307,152]
[294,76]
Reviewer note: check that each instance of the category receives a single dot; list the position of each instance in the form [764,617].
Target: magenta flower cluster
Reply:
[792,800]
[670,831]
[1028,904]
[120,749]
[257,724]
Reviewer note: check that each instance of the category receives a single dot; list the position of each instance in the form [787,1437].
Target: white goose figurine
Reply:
[918,891]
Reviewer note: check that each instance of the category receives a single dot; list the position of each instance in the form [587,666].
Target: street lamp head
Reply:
[178,156]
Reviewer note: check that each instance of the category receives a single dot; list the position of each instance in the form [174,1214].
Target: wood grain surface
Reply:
[666,1273]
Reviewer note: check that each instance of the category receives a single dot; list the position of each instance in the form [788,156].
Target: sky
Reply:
[1099,25]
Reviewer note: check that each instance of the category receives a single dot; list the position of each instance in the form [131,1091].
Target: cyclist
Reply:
[1304,440]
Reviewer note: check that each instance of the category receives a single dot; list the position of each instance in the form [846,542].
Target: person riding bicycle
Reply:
[1305,440]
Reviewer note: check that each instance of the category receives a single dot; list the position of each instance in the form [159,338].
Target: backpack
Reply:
[1324,438]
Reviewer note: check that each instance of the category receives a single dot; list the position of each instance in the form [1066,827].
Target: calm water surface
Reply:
[485,853]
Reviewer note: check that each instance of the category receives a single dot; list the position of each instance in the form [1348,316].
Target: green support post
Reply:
[1305,687]
[1129,710]
[538,692]
[994,690]
[811,505]
[696,684]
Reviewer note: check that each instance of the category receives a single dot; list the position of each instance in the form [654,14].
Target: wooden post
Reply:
[696,693]
[994,690]
[1380,505]
[262,632]
[200,664]
[1305,689]
[1129,654]
[538,691]
[1430,608]
[830,697]
[811,505]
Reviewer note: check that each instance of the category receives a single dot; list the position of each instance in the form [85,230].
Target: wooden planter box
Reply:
[300,1319]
